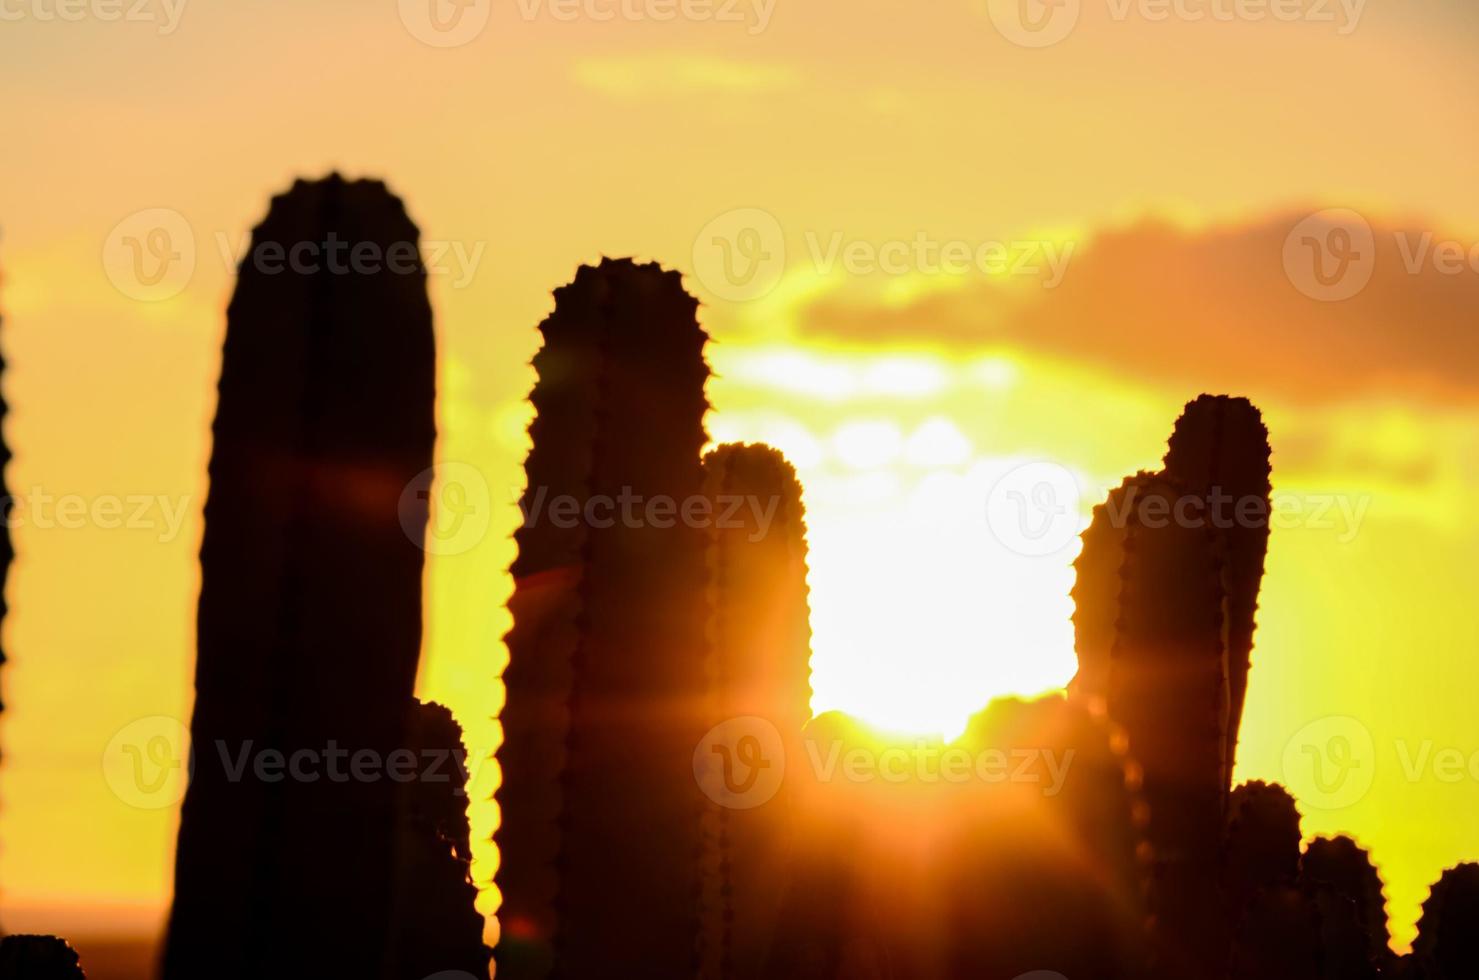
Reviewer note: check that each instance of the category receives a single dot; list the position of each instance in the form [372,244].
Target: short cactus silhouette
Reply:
[310,605]
[1262,845]
[1340,864]
[437,927]
[600,832]
[759,668]
[1447,946]
[38,958]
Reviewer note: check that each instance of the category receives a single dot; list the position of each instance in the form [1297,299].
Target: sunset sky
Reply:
[1153,170]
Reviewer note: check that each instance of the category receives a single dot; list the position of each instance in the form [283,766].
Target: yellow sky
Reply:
[545,142]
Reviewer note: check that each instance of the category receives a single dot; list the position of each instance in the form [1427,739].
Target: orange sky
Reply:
[1169,160]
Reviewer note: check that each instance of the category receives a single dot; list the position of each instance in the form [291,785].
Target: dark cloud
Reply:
[1214,309]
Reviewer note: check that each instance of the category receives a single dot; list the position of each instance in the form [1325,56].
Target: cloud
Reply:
[682,75]
[1216,309]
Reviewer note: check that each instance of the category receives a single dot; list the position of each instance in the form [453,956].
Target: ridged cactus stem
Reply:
[1220,452]
[599,835]
[759,669]
[1168,689]
[310,603]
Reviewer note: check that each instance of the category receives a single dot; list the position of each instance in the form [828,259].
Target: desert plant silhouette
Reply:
[759,668]
[38,958]
[600,833]
[310,605]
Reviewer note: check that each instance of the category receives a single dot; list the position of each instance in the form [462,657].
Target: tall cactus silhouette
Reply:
[310,606]
[759,668]
[7,550]
[600,814]
[1168,689]
[1220,449]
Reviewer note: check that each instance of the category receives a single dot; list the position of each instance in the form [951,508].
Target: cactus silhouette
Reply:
[599,839]
[38,958]
[7,551]
[1447,946]
[1340,864]
[1220,449]
[1168,689]
[1098,579]
[310,608]
[759,668]
[437,926]
[1262,844]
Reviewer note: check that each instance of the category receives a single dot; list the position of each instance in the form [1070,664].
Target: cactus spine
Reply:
[599,839]
[310,605]
[760,654]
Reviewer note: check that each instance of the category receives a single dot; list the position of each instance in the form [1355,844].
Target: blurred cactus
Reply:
[437,926]
[310,605]
[1098,579]
[1070,899]
[1447,946]
[7,550]
[759,667]
[1262,845]
[600,815]
[1220,449]
[38,958]
[1340,864]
